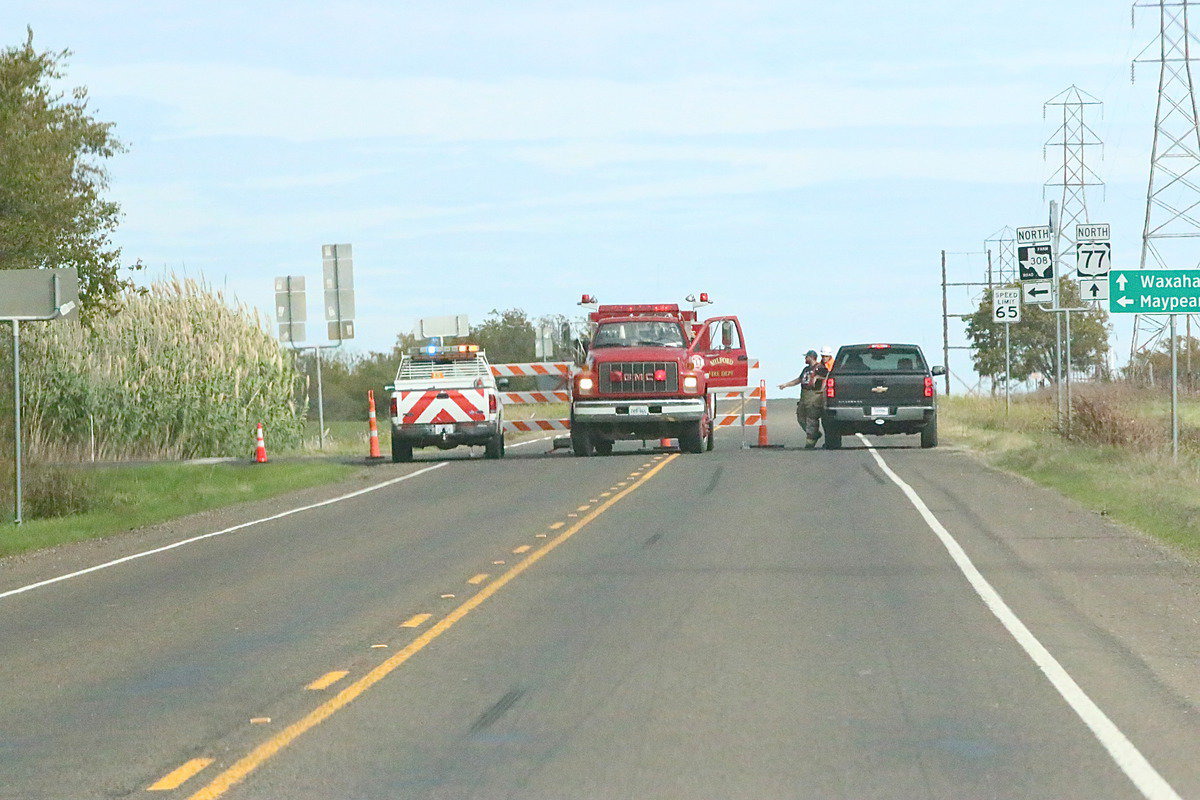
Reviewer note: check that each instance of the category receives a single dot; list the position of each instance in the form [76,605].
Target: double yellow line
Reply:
[239,770]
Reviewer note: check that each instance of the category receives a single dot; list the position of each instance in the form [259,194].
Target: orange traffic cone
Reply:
[374,428]
[762,413]
[260,447]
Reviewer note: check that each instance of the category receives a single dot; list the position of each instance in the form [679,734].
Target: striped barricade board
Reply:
[534,425]
[524,398]
[535,368]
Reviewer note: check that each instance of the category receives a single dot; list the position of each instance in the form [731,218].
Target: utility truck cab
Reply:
[647,375]
[445,396]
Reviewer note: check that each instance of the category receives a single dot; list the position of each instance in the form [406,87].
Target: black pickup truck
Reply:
[880,388]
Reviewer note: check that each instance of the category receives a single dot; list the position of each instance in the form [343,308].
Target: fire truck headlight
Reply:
[586,385]
[690,383]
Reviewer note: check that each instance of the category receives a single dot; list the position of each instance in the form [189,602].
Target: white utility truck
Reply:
[445,396]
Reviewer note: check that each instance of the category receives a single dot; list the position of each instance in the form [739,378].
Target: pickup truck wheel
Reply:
[929,433]
[604,447]
[401,451]
[581,441]
[833,437]
[710,441]
[494,447]
[691,438]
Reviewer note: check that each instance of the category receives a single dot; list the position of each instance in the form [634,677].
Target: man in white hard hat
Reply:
[827,357]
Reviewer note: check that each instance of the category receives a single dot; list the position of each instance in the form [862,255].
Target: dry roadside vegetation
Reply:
[1114,459]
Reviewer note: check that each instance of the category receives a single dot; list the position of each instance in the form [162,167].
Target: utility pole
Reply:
[945,325]
[1172,194]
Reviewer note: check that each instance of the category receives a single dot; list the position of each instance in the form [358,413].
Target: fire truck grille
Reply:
[637,377]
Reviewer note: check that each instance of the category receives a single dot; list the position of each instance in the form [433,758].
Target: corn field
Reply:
[178,372]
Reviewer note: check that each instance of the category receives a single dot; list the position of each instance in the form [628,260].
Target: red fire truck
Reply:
[648,375]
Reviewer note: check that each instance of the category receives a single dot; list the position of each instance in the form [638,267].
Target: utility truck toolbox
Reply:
[445,396]
[647,375]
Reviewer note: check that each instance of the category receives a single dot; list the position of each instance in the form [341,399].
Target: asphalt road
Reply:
[739,624]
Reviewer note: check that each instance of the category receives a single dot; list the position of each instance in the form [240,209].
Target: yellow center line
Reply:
[555,526]
[327,680]
[525,548]
[178,776]
[415,621]
[606,494]
[240,769]
[583,508]
[475,580]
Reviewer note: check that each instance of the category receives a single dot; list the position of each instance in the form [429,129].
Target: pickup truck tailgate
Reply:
[885,389]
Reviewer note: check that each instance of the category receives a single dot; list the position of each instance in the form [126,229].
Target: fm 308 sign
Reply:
[1034,256]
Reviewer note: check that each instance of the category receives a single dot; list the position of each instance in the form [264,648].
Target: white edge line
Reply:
[1124,753]
[182,542]
[531,441]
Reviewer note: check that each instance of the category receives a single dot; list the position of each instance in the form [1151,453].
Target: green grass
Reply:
[1143,489]
[127,497]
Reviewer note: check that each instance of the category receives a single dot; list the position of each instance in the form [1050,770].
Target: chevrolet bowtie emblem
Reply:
[880,389]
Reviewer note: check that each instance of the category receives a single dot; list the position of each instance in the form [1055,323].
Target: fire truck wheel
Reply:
[581,441]
[494,447]
[401,451]
[604,447]
[691,437]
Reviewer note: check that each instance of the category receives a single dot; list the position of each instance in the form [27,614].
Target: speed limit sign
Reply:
[1006,305]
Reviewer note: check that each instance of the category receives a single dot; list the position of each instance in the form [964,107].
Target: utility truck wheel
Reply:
[401,451]
[581,441]
[691,437]
[494,447]
[604,447]
[711,440]
[929,433]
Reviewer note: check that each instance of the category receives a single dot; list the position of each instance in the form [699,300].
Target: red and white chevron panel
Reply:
[729,420]
[536,368]
[426,408]
[527,425]
[521,398]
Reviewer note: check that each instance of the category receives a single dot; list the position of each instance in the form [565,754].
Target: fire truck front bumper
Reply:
[636,412]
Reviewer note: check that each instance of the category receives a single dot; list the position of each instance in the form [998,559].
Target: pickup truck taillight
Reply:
[493,403]
[928,386]
[830,388]
[395,407]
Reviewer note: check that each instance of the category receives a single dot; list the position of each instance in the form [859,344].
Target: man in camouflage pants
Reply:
[812,397]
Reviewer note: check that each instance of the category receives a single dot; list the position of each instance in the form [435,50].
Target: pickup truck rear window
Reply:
[890,359]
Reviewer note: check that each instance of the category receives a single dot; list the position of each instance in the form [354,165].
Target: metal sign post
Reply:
[291,312]
[1006,308]
[31,295]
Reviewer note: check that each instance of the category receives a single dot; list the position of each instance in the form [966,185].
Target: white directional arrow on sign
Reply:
[1121,282]
[1036,292]
[1124,301]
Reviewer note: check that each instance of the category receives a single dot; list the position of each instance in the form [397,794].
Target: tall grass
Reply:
[178,372]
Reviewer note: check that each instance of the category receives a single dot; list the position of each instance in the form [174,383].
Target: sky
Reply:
[804,163]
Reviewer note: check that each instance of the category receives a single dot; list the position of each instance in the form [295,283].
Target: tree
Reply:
[506,336]
[1033,338]
[52,178]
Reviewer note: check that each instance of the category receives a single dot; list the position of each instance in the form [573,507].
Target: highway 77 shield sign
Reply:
[1093,259]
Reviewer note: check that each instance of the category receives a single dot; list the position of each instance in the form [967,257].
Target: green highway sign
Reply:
[1154,291]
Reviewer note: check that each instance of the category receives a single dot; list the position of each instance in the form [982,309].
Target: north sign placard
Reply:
[1036,292]
[1154,291]
[1006,305]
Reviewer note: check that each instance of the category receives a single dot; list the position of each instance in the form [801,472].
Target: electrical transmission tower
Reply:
[1173,191]
[1072,141]
[1003,266]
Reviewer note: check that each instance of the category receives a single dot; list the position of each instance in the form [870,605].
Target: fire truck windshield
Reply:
[639,333]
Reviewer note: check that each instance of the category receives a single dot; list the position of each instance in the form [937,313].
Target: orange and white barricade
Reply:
[557,369]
